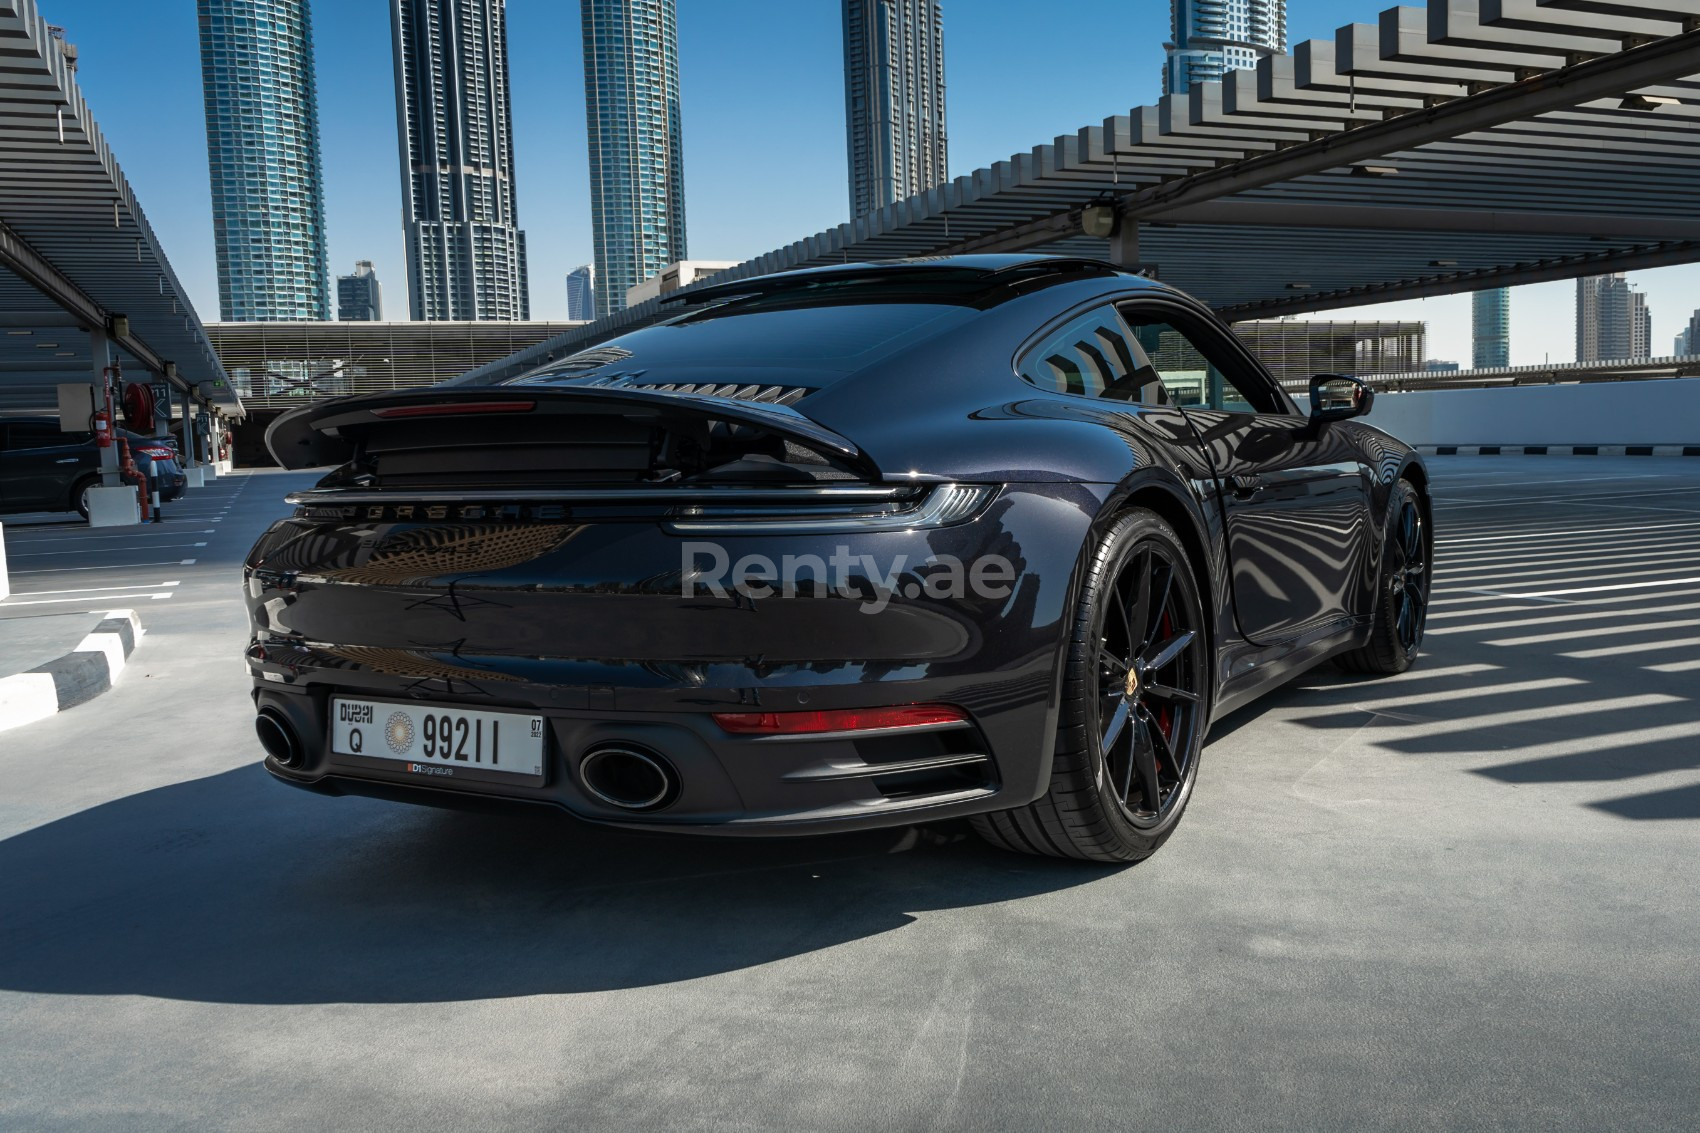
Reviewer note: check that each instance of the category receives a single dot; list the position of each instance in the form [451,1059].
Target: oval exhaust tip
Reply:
[277,737]
[628,777]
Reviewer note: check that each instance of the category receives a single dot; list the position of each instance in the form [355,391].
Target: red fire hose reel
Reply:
[138,407]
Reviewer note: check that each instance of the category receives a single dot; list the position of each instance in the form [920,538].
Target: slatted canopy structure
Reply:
[1466,145]
[75,247]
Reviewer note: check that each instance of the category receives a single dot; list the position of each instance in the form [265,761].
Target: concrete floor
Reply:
[1467,897]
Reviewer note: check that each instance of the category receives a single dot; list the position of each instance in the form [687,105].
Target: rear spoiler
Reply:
[327,433]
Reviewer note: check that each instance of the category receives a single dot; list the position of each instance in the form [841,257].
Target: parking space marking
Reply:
[1675,666]
[11,538]
[102,589]
[107,566]
[1603,589]
[10,602]
[97,551]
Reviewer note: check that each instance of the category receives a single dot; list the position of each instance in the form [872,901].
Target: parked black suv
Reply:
[44,469]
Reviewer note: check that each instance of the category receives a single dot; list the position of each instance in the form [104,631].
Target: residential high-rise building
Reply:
[359,299]
[1490,337]
[1680,349]
[893,100]
[263,153]
[1612,320]
[1691,336]
[581,293]
[637,173]
[465,251]
[1213,37]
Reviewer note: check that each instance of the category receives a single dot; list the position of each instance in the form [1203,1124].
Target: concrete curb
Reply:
[82,674]
[1559,450]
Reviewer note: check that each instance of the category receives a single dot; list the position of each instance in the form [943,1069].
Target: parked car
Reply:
[993,537]
[45,469]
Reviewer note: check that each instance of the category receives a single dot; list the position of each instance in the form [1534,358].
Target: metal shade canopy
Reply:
[1466,145]
[75,249]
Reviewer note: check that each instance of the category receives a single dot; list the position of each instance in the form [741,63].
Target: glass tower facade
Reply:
[893,100]
[263,153]
[637,173]
[359,299]
[1213,37]
[1612,320]
[465,251]
[1490,329]
[581,293]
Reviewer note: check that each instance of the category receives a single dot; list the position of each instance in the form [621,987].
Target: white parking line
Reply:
[57,601]
[1601,589]
[1588,531]
[85,538]
[107,566]
[103,589]
[99,550]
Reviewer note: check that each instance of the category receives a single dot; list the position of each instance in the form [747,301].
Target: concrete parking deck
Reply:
[1465,897]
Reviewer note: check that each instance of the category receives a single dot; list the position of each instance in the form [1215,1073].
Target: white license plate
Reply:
[434,735]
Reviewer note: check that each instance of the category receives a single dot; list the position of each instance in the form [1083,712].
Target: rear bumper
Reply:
[727,784]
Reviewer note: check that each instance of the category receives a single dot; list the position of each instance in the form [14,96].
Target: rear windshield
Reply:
[830,336]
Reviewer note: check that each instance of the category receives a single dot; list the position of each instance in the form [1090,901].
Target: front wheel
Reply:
[1401,606]
[1135,695]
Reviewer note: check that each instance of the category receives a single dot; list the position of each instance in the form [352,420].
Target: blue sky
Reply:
[763,118]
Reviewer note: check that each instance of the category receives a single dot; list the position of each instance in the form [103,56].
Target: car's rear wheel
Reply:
[80,494]
[1135,698]
[1401,607]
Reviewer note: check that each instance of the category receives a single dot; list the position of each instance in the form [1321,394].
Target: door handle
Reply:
[1245,487]
[67,460]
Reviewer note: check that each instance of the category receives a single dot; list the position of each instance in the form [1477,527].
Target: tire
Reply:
[80,492]
[1154,679]
[1402,591]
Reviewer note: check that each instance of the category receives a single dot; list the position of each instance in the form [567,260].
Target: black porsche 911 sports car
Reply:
[991,537]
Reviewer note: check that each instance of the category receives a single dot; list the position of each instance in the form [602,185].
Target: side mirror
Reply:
[1335,397]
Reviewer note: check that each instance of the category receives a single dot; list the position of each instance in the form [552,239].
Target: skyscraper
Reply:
[1212,37]
[581,293]
[1612,320]
[359,299]
[263,152]
[465,252]
[1491,329]
[1691,339]
[637,175]
[893,100]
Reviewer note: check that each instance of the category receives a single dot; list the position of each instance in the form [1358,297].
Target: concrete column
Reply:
[5,581]
[100,349]
[1124,244]
[191,465]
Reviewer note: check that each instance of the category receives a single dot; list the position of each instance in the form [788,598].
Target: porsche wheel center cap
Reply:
[1132,684]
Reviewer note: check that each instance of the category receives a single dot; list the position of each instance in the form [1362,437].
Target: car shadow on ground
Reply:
[233,888]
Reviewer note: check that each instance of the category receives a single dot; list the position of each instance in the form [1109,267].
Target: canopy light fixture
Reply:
[1649,101]
[1298,287]
[1374,170]
[47,346]
[120,326]
[1443,263]
[1098,220]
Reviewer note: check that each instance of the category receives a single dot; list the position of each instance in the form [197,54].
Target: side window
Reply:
[1094,356]
[32,434]
[1188,376]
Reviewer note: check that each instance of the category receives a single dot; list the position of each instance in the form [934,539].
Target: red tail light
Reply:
[455,409]
[838,720]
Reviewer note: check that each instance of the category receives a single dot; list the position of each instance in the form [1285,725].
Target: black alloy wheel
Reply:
[1136,695]
[1408,571]
[1396,628]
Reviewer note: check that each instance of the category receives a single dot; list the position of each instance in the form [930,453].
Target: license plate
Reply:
[428,736]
